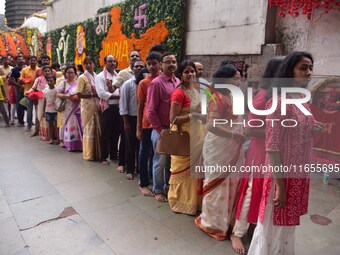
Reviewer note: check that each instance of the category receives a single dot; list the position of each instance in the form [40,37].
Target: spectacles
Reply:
[139,66]
[169,62]
[134,56]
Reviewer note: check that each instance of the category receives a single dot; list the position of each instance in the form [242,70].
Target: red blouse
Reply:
[179,96]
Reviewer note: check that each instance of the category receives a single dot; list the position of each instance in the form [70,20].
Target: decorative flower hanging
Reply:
[20,44]
[80,46]
[49,46]
[306,7]
[118,44]
[2,47]
[10,46]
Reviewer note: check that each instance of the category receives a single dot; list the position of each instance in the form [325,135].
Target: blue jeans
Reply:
[145,153]
[29,112]
[161,167]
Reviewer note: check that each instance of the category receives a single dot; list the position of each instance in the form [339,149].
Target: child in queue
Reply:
[50,94]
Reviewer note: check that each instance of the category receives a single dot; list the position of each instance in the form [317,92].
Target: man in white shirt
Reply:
[128,110]
[199,75]
[127,73]
[110,120]
[5,70]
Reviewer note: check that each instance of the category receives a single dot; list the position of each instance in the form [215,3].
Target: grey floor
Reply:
[53,202]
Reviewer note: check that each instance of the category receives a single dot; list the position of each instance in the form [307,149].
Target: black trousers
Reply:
[20,109]
[131,146]
[111,124]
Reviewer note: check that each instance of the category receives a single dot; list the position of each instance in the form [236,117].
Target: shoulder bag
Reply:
[59,103]
[174,142]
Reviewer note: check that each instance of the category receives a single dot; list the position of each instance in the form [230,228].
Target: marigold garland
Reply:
[14,43]
[120,45]
[2,47]
[11,48]
[20,44]
[294,7]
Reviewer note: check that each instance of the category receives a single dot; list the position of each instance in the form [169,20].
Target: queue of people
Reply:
[119,116]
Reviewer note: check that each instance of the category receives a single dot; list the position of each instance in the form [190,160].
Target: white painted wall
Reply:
[320,36]
[216,27]
[226,27]
[66,12]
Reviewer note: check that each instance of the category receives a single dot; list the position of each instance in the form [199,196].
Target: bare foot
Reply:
[146,192]
[105,162]
[50,142]
[160,198]
[129,177]
[120,169]
[61,144]
[237,244]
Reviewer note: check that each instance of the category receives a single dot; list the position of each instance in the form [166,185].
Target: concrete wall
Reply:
[66,12]
[225,27]
[320,36]
[257,63]
[238,29]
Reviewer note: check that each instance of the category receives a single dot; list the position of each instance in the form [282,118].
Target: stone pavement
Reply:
[53,202]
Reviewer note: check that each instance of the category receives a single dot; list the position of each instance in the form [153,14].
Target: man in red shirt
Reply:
[143,126]
[158,112]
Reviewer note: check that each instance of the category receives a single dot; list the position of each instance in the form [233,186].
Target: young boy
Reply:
[3,100]
[50,94]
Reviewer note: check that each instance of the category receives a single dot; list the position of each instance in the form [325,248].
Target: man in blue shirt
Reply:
[128,110]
